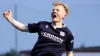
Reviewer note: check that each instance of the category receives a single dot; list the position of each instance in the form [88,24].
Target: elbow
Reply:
[23,30]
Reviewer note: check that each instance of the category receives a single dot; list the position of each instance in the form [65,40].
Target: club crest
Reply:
[62,33]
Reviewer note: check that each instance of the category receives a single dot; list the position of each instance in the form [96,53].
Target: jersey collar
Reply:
[57,26]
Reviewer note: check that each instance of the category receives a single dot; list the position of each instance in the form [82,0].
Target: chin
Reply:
[54,20]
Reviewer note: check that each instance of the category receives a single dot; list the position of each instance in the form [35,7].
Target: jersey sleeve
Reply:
[69,43]
[33,27]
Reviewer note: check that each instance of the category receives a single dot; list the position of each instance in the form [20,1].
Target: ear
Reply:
[64,16]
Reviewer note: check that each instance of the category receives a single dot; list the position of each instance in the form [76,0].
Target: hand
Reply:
[7,14]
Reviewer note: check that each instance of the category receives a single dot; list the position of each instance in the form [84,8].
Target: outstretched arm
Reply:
[16,24]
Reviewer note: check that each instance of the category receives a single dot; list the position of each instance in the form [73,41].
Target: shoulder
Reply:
[67,30]
[44,22]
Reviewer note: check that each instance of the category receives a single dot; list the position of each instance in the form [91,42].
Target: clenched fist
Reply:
[7,14]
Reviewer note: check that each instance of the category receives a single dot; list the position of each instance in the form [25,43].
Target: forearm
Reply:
[17,24]
[70,53]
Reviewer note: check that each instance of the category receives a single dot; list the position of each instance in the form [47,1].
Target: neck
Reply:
[59,24]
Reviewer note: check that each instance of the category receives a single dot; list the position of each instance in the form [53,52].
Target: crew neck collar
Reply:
[58,26]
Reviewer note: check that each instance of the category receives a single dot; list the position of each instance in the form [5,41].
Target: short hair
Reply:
[63,4]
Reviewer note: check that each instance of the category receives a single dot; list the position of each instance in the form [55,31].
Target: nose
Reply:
[54,10]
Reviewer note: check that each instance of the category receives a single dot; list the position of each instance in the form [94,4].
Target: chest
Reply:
[58,35]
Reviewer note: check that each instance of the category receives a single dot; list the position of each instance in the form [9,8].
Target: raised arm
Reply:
[16,24]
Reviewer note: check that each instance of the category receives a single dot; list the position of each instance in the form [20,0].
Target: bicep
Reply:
[26,28]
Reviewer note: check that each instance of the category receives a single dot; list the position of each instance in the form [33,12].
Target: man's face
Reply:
[58,13]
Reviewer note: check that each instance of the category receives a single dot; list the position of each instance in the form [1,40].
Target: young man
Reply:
[54,37]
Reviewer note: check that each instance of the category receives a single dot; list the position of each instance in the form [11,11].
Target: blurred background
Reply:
[83,20]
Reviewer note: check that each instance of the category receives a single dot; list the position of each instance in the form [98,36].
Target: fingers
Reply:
[7,12]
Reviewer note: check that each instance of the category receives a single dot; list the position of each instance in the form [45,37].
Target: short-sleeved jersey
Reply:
[51,41]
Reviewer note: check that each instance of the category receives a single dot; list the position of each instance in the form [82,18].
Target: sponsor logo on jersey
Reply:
[51,36]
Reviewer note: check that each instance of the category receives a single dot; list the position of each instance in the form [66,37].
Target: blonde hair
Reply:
[63,4]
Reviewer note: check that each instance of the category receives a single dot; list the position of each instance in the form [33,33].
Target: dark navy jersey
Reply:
[51,41]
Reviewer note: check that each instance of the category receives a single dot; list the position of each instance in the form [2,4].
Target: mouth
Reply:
[54,15]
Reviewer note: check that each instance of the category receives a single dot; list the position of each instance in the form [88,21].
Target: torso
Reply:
[50,40]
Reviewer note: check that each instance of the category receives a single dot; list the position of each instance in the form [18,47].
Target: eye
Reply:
[57,10]
[53,9]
